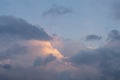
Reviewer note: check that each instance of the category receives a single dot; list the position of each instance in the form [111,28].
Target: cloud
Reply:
[7,66]
[34,58]
[39,61]
[11,26]
[93,38]
[56,10]
[22,42]
[12,51]
[114,35]
[67,47]
[104,59]
[23,47]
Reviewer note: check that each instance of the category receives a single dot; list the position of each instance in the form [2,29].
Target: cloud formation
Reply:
[21,46]
[93,38]
[56,10]
[11,26]
[104,59]
[114,35]
[34,58]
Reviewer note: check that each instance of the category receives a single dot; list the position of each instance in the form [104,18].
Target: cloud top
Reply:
[20,28]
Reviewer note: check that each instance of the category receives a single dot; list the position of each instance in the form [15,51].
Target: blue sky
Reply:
[86,16]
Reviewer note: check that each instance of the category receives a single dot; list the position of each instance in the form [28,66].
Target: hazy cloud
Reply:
[93,38]
[56,10]
[114,35]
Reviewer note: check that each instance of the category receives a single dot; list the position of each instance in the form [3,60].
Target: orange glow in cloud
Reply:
[44,48]
[36,49]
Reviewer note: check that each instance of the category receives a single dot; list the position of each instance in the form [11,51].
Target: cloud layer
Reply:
[104,60]
[26,53]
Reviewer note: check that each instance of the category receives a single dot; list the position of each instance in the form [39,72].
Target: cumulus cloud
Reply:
[56,10]
[104,59]
[20,38]
[34,58]
[22,45]
[20,28]
[93,38]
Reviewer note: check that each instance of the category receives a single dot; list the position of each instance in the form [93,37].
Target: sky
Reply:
[68,19]
[59,39]
[83,17]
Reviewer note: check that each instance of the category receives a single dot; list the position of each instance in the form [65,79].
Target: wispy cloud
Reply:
[57,10]
[114,35]
[93,38]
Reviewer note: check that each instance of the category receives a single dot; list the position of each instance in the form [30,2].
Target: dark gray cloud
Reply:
[16,27]
[105,59]
[6,66]
[49,58]
[39,61]
[114,35]
[93,38]
[56,10]
[27,74]
[12,51]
